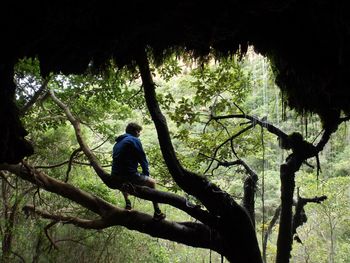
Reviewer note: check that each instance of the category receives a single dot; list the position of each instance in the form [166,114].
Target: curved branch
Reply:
[193,234]
[233,220]
[142,192]
[46,230]
[226,141]
[76,125]
[71,158]
[255,121]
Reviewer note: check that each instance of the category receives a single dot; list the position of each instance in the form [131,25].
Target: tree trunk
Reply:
[285,236]
[239,242]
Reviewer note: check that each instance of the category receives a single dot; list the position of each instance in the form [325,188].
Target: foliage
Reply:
[189,94]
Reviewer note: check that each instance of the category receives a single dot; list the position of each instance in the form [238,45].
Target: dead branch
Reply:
[255,121]
[300,217]
[226,141]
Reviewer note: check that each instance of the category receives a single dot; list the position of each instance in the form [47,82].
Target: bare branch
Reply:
[98,205]
[46,229]
[76,125]
[200,235]
[226,141]
[72,156]
[255,121]
[64,163]
[249,186]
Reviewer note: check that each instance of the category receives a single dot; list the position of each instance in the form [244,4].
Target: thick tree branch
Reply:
[233,222]
[139,191]
[300,217]
[269,229]
[29,173]
[76,125]
[302,150]
[193,234]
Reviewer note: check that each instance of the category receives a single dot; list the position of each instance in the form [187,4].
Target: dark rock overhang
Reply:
[306,40]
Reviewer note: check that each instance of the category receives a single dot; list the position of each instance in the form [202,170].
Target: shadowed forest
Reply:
[227,121]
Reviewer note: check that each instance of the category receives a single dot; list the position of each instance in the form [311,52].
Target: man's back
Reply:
[127,154]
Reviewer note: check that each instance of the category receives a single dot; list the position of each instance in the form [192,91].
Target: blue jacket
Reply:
[127,154]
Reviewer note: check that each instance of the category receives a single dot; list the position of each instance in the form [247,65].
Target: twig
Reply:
[19,256]
[255,121]
[227,140]
[46,228]
[3,176]
[72,156]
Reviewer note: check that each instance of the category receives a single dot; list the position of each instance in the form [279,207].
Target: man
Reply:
[127,155]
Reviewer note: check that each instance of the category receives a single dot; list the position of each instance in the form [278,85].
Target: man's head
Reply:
[133,129]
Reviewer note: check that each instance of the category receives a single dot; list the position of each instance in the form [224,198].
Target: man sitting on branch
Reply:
[128,153]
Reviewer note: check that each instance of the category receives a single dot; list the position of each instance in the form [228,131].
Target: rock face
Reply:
[13,146]
[308,42]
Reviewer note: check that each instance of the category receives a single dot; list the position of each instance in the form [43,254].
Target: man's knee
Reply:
[151,182]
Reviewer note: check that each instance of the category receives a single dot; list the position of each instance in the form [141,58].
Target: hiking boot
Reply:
[158,216]
[128,205]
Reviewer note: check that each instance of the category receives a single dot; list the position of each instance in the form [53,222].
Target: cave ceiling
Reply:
[307,41]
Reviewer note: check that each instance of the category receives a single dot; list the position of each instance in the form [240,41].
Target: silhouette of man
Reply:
[128,154]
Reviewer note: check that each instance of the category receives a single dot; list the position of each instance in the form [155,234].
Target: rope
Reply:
[210,243]
[263,186]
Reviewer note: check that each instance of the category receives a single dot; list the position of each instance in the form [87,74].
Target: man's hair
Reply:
[132,128]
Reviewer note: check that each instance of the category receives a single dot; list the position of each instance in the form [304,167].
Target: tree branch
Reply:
[139,191]
[269,229]
[232,218]
[35,97]
[3,176]
[300,217]
[46,229]
[71,158]
[193,234]
[255,121]
[226,141]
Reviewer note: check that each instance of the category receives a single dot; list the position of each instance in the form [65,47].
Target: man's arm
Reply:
[142,159]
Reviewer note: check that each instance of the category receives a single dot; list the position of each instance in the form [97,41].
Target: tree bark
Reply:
[188,233]
[233,223]
[285,237]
